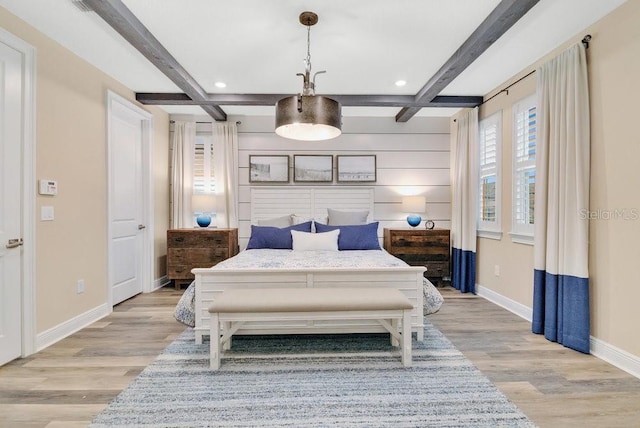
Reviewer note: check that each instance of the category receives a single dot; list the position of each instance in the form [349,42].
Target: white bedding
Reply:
[289,259]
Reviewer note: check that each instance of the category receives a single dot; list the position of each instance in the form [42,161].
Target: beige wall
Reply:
[71,148]
[614,67]
[615,144]
[161,192]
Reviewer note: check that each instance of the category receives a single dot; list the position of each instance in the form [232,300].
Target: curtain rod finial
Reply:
[585,41]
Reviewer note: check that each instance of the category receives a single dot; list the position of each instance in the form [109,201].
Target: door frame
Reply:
[147,257]
[28,231]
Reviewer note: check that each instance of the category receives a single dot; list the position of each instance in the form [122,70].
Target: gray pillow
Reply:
[345,218]
[284,221]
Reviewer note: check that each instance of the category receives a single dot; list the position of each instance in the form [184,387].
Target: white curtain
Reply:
[464,204]
[225,149]
[561,276]
[182,145]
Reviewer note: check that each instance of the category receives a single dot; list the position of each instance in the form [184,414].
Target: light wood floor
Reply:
[67,384]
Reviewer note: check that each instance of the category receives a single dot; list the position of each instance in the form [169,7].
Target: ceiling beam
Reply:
[507,13]
[121,19]
[345,100]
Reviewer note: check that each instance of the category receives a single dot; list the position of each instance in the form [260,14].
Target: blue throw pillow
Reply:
[354,237]
[274,237]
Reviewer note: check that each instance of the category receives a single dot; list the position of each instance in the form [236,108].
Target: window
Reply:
[203,175]
[489,183]
[204,182]
[524,170]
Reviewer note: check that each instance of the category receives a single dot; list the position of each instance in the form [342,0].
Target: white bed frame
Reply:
[310,202]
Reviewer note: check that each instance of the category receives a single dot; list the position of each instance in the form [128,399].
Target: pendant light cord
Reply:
[308,60]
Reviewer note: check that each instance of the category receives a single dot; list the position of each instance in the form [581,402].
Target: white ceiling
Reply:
[257,46]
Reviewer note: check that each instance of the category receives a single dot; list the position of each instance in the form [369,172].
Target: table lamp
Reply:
[203,205]
[414,205]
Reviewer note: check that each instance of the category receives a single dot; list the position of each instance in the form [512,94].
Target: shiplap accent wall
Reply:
[308,202]
[411,157]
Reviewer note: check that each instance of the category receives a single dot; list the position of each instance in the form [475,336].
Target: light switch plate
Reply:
[46,213]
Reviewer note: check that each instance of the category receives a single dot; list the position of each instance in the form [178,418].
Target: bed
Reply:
[366,265]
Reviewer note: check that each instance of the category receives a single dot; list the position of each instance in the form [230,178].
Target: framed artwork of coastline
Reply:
[313,168]
[268,169]
[356,168]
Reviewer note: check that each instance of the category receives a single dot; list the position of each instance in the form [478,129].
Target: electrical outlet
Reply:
[80,286]
[496,270]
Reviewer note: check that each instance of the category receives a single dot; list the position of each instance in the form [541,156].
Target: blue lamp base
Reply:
[414,220]
[203,220]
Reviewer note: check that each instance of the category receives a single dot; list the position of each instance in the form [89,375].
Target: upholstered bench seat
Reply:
[390,307]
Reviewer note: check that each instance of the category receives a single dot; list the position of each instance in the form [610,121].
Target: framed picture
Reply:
[356,168]
[313,168]
[269,169]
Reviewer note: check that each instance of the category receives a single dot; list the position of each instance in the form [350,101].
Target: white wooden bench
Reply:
[390,307]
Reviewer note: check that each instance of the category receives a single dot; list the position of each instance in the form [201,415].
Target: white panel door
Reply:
[126,203]
[11,87]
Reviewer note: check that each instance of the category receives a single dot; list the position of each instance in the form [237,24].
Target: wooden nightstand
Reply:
[197,248]
[421,247]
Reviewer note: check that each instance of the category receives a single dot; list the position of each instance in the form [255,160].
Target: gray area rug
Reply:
[312,381]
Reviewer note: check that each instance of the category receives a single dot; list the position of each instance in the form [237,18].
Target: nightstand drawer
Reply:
[197,239]
[196,256]
[426,251]
[437,269]
[419,240]
[179,272]
[422,259]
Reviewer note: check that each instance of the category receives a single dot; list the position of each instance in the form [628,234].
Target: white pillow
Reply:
[304,241]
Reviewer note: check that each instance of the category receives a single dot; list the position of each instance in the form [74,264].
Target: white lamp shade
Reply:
[413,204]
[203,203]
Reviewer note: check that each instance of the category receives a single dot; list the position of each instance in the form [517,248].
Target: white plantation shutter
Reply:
[203,174]
[524,168]
[488,148]
[489,173]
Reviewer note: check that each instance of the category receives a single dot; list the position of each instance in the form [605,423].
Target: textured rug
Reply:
[312,381]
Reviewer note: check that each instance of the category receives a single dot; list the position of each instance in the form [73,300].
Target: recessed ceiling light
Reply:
[220,85]
[401,82]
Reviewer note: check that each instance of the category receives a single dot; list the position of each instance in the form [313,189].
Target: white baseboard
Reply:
[67,328]
[616,356]
[160,282]
[511,305]
[599,348]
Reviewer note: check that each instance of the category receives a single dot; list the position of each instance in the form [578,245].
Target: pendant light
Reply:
[308,116]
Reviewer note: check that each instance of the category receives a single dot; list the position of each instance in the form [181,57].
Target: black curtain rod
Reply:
[506,89]
[585,41]
[237,122]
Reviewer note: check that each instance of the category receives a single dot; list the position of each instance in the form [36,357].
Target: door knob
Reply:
[141,226]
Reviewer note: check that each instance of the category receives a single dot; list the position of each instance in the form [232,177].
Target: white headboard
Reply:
[309,202]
